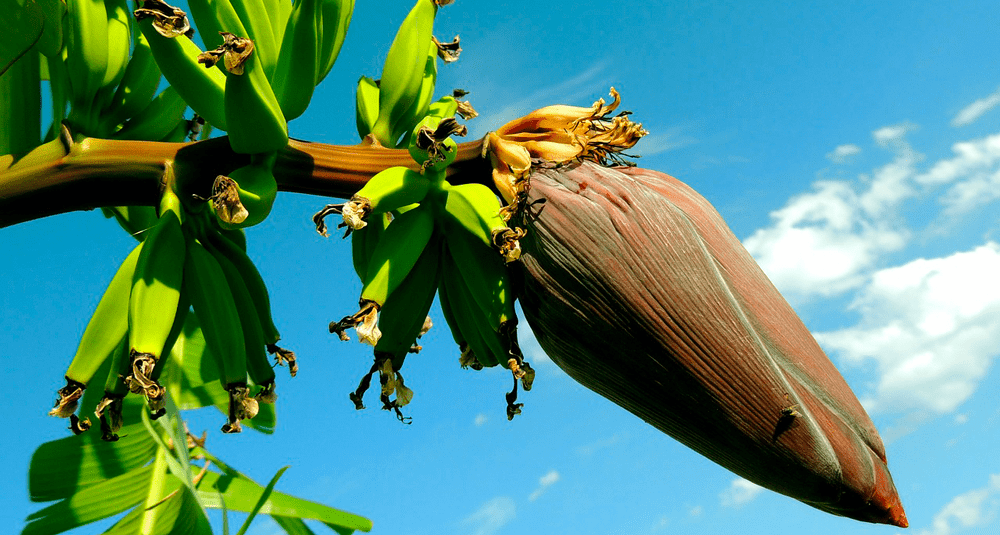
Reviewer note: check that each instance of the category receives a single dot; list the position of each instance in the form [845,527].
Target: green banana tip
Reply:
[69,399]
[356,212]
[78,426]
[241,407]
[467,359]
[267,393]
[507,242]
[109,412]
[234,53]
[432,146]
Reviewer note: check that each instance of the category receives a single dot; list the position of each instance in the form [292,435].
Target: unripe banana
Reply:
[404,313]
[102,337]
[20,109]
[336,18]
[475,209]
[119,34]
[463,312]
[253,334]
[403,129]
[109,409]
[215,306]
[137,87]
[156,293]
[257,189]
[364,240]
[253,114]
[136,220]
[201,88]
[397,252]
[86,50]
[366,106]
[157,120]
[430,143]
[403,70]
[295,75]
[388,190]
[278,12]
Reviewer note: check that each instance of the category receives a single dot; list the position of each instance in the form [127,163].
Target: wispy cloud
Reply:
[974,508]
[826,242]
[576,90]
[544,483]
[739,493]
[977,109]
[662,141]
[491,516]
[843,153]
[480,420]
[695,510]
[931,325]
[594,447]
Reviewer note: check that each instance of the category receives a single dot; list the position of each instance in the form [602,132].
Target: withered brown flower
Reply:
[636,287]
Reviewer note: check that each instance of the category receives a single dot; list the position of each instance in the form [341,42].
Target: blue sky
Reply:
[854,147]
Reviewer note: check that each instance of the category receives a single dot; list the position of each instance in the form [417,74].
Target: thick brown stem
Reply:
[101,172]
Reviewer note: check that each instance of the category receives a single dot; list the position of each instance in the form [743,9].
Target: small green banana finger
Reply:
[336,19]
[109,409]
[404,313]
[388,190]
[213,17]
[258,367]
[104,333]
[404,69]
[256,123]
[463,312]
[213,302]
[202,88]
[155,296]
[403,128]
[86,51]
[365,240]
[475,209]
[119,34]
[366,105]
[253,15]
[295,75]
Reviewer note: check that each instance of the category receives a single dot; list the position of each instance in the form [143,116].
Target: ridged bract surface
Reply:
[635,286]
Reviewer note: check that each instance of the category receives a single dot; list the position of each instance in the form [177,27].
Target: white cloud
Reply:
[974,508]
[825,242]
[544,483]
[843,153]
[977,109]
[961,419]
[480,419]
[695,510]
[491,516]
[931,326]
[973,174]
[739,493]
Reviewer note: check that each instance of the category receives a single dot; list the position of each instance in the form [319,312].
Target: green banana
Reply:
[157,120]
[203,89]
[119,35]
[475,209]
[103,335]
[366,106]
[336,19]
[364,240]
[253,333]
[295,75]
[467,356]
[403,129]
[256,188]
[137,87]
[87,51]
[155,296]
[213,302]
[443,107]
[463,322]
[253,114]
[278,12]
[403,70]
[388,190]
[404,313]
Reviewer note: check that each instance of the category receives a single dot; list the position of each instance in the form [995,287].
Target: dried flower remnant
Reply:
[629,258]
[242,406]
[69,399]
[448,52]
[168,20]
[109,412]
[140,381]
[284,357]
[226,200]
[234,51]
[364,322]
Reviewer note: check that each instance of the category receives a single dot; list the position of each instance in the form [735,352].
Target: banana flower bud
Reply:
[635,286]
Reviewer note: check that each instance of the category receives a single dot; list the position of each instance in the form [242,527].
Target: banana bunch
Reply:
[183,260]
[414,234]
